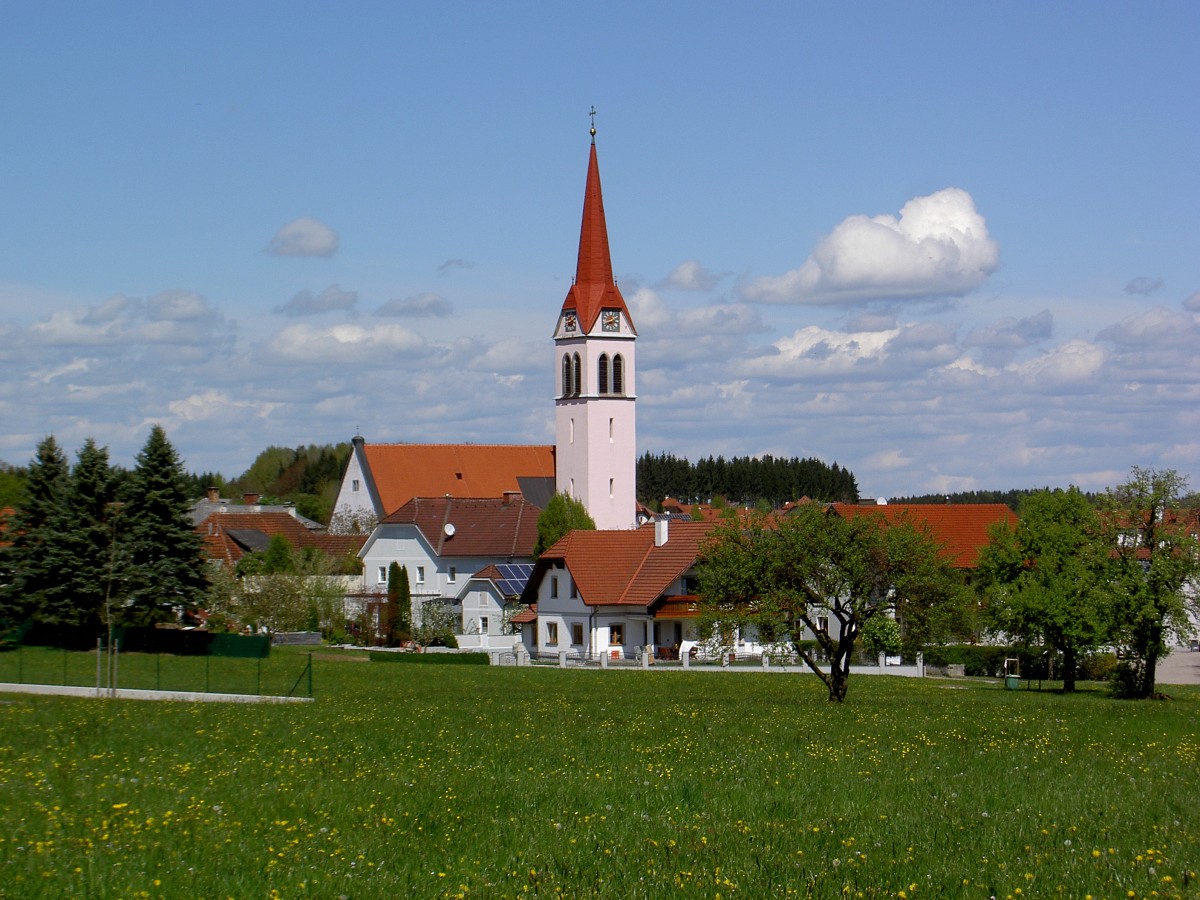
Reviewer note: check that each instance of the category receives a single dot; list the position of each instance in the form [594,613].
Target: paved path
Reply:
[1181,667]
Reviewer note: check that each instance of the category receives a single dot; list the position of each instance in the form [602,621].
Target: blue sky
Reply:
[948,246]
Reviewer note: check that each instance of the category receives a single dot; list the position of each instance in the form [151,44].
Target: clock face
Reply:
[612,321]
[569,322]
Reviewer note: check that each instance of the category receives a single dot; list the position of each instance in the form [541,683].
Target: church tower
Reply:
[595,420]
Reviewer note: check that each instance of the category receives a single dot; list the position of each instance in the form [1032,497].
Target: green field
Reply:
[462,781]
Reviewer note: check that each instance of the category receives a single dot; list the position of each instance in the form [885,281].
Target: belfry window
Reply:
[603,373]
[618,374]
[576,375]
[566,375]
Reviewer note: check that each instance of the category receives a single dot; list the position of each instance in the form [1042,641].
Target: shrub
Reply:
[436,659]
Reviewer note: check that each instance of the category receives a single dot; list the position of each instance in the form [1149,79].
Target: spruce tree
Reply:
[165,569]
[85,532]
[31,569]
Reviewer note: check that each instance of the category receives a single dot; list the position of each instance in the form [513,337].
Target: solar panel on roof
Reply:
[513,577]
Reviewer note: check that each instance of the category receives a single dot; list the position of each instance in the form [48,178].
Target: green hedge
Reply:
[987,661]
[437,659]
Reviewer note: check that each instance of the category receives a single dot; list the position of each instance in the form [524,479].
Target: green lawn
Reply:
[446,781]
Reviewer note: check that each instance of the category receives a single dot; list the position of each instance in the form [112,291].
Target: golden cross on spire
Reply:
[593,128]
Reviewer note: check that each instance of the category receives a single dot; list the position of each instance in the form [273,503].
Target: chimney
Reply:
[660,531]
[511,497]
[250,498]
[212,494]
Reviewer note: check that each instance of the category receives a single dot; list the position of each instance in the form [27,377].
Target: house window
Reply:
[383,574]
[616,634]
[553,586]
[618,374]
[576,633]
[354,485]
[453,575]
[823,624]
[483,625]
[551,632]
[420,574]
[574,589]
[603,373]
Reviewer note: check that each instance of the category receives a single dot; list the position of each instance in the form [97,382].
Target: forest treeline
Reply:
[742,480]
[1011,498]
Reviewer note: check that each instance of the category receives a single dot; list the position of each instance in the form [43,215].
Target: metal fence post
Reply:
[310,675]
[258,683]
[206,659]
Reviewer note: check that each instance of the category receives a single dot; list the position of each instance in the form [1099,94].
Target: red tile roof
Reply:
[625,567]
[495,526]
[525,616]
[594,288]
[961,528]
[404,471]
[219,543]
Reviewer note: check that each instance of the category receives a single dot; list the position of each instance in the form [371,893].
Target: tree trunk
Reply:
[1069,666]
[839,675]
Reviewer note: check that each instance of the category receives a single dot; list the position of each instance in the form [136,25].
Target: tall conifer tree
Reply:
[165,568]
[31,568]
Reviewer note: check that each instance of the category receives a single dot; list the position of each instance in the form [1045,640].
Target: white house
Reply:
[471,555]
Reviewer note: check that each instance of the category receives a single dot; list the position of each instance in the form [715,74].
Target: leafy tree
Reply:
[12,486]
[277,558]
[31,569]
[881,634]
[282,589]
[1157,572]
[1046,580]
[165,569]
[562,514]
[786,576]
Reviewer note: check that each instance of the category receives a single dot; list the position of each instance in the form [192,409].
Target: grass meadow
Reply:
[446,781]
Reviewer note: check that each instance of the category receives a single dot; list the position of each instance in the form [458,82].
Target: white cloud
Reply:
[938,246]
[1192,303]
[213,404]
[1155,328]
[1011,334]
[691,276]
[304,237]
[1073,364]
[332,299]
[344,343]
[421,306]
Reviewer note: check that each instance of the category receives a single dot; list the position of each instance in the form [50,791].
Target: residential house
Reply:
[380,478]
[471,556]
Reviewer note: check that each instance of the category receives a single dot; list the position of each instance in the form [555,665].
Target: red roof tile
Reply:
[404,471]
[625,567]
[961,528]
[219,543]
[495,526]
[594,288]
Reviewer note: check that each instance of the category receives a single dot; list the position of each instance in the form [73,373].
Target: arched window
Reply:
[618,379]
[603,371]
[566,375]
[576,375]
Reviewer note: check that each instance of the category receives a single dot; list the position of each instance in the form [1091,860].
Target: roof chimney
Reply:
[250,498]
[212,494]
[660,531]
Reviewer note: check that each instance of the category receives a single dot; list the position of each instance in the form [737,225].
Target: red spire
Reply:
[594,288]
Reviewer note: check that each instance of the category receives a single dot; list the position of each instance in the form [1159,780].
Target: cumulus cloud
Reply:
[421,306]
[1192,303]
[691,276]
[304,237]
[170,317]
[938,246]
[1158,327]
[1075,363]
[343,343]
[331,299]
[213,404]
[1143,286]
[1013,334]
